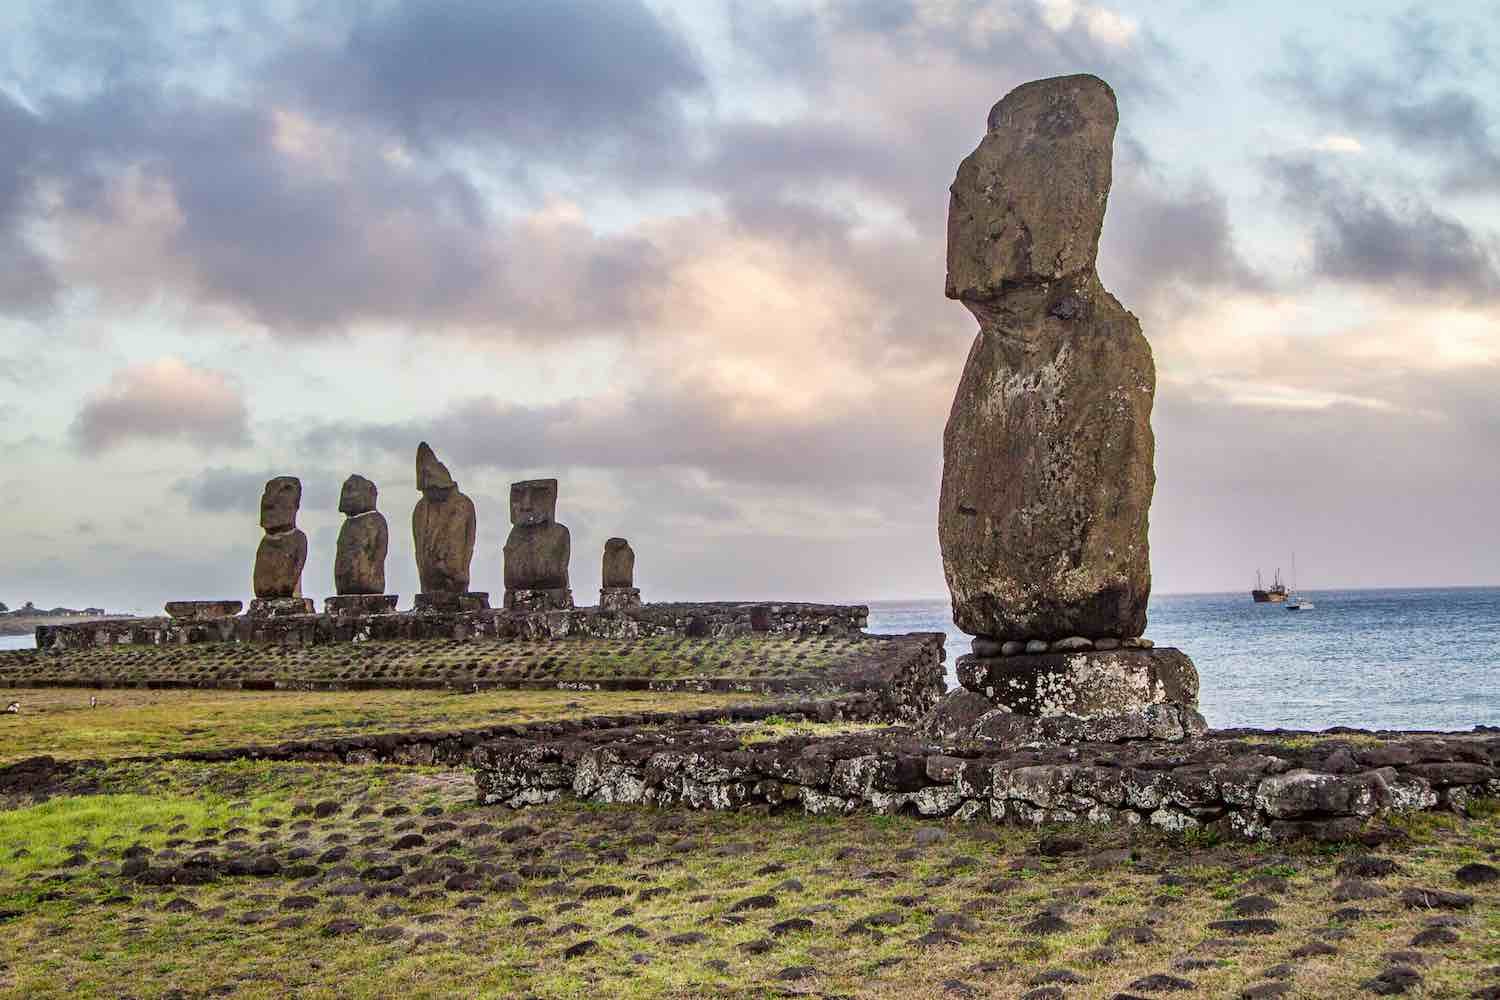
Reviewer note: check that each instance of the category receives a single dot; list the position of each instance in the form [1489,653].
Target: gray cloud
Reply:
[558,79]
[27,282]
[1405,98]
[883,445]
[1159,234]
[226,490]
[163,400]
[1360,238]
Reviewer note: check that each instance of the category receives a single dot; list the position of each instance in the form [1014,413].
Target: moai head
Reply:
[279,503]
[533,502]
[357,496]
[432,476]
[1028,204]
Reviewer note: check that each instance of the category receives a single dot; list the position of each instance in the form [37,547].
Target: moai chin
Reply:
[618,591]
[443,527]
[282,553]
[359,560]
[537,551]
[1048,451]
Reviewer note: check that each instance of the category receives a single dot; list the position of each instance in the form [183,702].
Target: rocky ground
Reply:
[484,661]
[259,879]
[62,723]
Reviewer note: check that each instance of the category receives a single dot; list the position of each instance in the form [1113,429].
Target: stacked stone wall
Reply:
[707,620]
[1243,788]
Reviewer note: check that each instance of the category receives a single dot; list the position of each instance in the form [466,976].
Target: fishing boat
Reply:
[1294,601]
[1275,594]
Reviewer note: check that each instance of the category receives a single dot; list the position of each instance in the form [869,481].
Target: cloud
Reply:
[1164,235]
[560,80]
[227,490]
[1404,98]
[1360,238]
[160,401]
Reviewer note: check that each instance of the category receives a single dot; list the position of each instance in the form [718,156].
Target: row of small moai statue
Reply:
[443,526]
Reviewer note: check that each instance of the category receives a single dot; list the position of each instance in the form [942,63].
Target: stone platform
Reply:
[1247,785]
[717,620]
[360,604]
[1140,692]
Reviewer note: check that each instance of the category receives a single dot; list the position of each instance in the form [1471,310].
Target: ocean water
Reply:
[1397,659]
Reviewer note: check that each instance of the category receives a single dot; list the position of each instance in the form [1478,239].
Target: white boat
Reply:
[1294,601]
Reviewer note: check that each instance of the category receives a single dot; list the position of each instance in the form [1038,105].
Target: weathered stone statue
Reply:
[618,590]
[537,551]
[1047,456]
[359,559]
[282,553]
[443,527]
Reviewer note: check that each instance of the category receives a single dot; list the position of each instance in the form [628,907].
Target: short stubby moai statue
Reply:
[537,550]
[282,552]
[618,590]
[1048,453]
[359,559]
[443,528]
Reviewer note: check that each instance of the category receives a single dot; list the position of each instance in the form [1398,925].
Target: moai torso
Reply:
[283,550]
[359,561]
[443,527]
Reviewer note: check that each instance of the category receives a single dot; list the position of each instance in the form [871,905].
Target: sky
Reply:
[688,258]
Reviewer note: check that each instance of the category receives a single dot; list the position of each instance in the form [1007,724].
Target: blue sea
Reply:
[1377,659]
[1396,659]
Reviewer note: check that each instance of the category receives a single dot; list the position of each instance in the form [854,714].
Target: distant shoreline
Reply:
[13,624]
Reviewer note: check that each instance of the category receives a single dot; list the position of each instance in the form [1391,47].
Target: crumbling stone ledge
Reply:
[721,620]
[1246,786]
[904,673]
[452,747]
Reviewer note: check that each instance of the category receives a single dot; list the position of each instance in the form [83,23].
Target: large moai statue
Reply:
[537,550]
[443,528]
[1048,452]
[359,559]
[617,582]
[282,552]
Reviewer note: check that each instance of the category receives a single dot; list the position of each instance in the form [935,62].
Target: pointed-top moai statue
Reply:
[443,528]
[1047,456]
[537,551]
[359,559]
[618,590]
[282,552]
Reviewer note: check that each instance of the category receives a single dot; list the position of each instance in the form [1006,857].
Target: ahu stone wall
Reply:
[1246,788]
[723,620]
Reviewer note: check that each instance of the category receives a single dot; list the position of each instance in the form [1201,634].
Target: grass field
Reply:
[452,660]
[126,722]
[385,881]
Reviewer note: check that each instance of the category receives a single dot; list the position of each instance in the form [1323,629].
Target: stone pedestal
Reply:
[440,601]
[203,610]
[619,598]
[281,607]
[360,604]
[1066,697]
[538,600]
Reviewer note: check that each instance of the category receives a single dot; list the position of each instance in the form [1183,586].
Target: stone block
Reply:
[449,602]
[619,598]
[1085,684]
[201,610]
[360,604]
[281,607]
[538,600]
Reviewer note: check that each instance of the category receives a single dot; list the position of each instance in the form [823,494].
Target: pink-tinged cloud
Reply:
[163,400]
